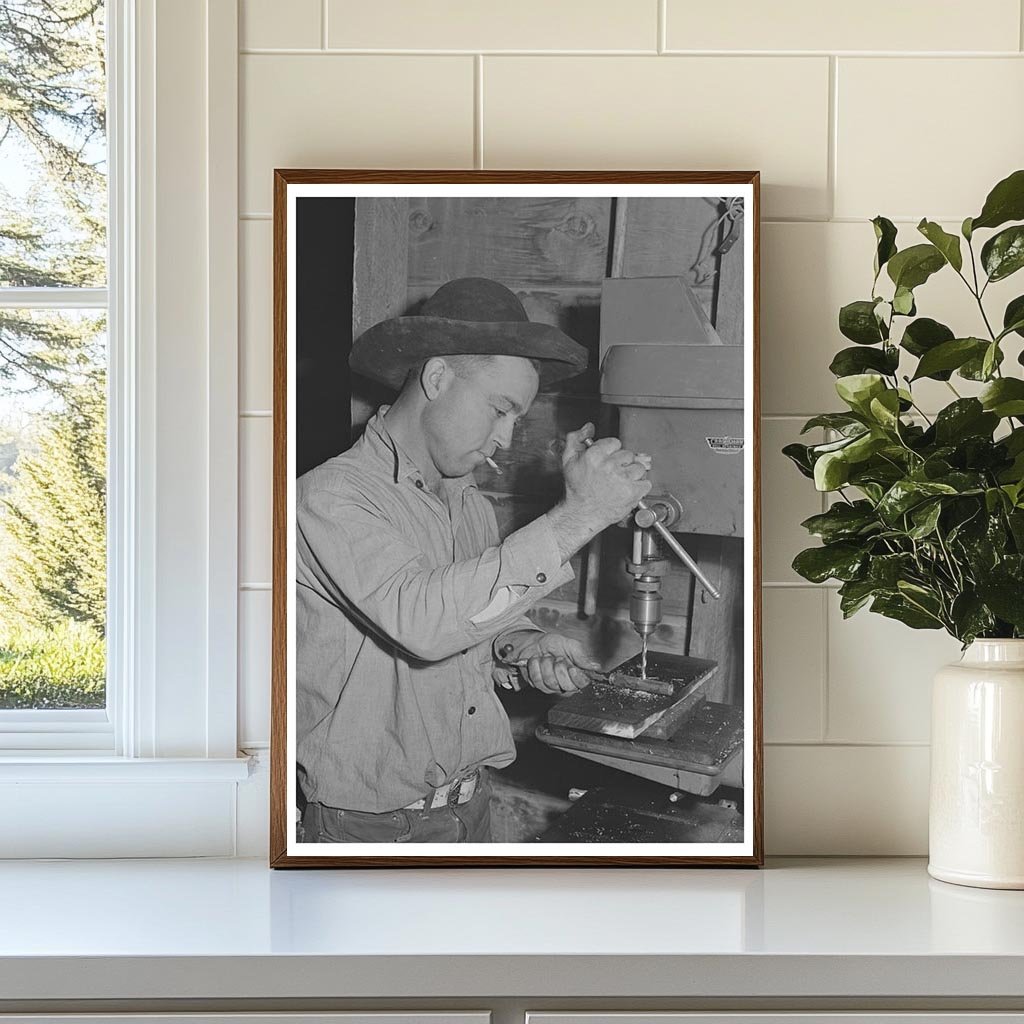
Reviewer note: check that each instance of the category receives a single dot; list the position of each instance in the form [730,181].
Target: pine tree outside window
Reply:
[53,366]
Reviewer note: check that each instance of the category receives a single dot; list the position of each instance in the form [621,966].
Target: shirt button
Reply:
[541,578]
[471,710]
[419,484]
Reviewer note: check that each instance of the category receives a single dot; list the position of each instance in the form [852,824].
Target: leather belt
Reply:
[463,788]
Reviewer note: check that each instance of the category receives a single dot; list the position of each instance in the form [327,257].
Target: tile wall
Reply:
[908,110]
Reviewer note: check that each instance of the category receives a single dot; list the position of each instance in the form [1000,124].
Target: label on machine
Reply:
[725,445]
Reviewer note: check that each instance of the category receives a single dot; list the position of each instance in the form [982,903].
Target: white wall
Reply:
[907,109]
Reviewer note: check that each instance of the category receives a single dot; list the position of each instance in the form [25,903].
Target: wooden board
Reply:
[378,284]
[515,240]
[614,710]
[706,742]
[716,627]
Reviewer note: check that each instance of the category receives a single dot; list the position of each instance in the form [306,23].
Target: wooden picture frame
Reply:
[658,246]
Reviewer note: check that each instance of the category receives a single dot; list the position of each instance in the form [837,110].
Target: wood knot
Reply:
[420,222]
[578,225]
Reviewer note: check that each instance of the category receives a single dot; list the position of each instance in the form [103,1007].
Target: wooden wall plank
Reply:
[716,627]
[728,314]
[380,282]
[515,240]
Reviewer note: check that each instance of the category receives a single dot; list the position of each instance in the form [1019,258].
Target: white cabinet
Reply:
[786,1017]
[360,1017]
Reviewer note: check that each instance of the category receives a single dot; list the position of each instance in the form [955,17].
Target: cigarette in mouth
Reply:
[490,462]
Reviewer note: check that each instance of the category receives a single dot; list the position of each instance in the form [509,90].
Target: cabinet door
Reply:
[355,1017]
[786,1017]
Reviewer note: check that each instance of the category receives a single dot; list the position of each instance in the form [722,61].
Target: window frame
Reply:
[172,462]
[58,730]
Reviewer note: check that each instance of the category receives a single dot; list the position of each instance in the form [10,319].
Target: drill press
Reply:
[680,397]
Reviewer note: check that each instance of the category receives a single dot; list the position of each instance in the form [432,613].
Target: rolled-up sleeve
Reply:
[351,552]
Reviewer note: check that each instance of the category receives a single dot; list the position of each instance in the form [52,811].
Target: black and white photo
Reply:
[516,567]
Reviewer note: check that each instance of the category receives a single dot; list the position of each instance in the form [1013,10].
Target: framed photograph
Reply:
[516,608]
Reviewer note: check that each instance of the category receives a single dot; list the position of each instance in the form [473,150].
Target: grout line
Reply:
[255,414]
[843,744]
[478,111]
[800,585]
[860,54]
[254,586]
[323,24]
[255,216]
[833,134]
[338,51]
[663,25]
[823,724]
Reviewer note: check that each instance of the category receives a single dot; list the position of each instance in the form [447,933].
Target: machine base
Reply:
[646,813]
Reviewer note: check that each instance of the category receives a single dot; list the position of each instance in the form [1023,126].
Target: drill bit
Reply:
[643,658]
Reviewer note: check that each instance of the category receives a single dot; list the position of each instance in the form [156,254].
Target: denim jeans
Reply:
[454,823]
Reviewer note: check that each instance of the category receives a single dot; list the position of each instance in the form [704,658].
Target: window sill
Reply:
[93,806]
[78,766]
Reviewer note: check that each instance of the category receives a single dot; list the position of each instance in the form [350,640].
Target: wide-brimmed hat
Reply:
[471,315]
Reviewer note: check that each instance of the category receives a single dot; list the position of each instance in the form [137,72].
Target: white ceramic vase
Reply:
[976,815]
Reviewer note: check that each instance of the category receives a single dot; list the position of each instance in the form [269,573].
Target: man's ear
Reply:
[435,377]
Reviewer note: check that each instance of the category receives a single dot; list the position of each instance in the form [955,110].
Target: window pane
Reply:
[52,509]
[53,150]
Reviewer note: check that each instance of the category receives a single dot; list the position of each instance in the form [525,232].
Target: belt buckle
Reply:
[455,792]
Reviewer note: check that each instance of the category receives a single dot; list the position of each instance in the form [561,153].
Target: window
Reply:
[53,368]
[110,777]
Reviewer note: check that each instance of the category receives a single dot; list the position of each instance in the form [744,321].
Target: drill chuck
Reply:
[645,604]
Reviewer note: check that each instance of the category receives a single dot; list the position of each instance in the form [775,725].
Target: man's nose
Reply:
[503,435]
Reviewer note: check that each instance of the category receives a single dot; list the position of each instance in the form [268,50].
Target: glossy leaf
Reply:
[974,368]
[887,570]
[857,321]
[972,617]
[1013,317]
[1004,596]
[947,244]
[903,302]
[854,595]
[842,521]
[858,389]
[913,266]
[885,409]
[799,455]
[850,361]
[841,421]
[923,335]
[832,561]
[885,238]
[949,356]
[1004,397]
[966,417]
[831,471]
[925,518]
[1003,254]
[906,494]
[1005,202]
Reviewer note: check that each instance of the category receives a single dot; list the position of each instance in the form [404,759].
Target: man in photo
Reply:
[409,607]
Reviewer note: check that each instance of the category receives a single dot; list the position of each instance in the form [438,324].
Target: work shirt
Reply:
[400,598]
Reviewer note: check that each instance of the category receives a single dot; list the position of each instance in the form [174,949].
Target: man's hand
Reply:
[603,483]
[556,664]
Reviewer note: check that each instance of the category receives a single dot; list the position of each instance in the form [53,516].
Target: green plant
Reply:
[928,521]
[63,666]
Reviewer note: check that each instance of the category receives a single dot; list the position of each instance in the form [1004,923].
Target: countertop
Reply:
[232,929]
